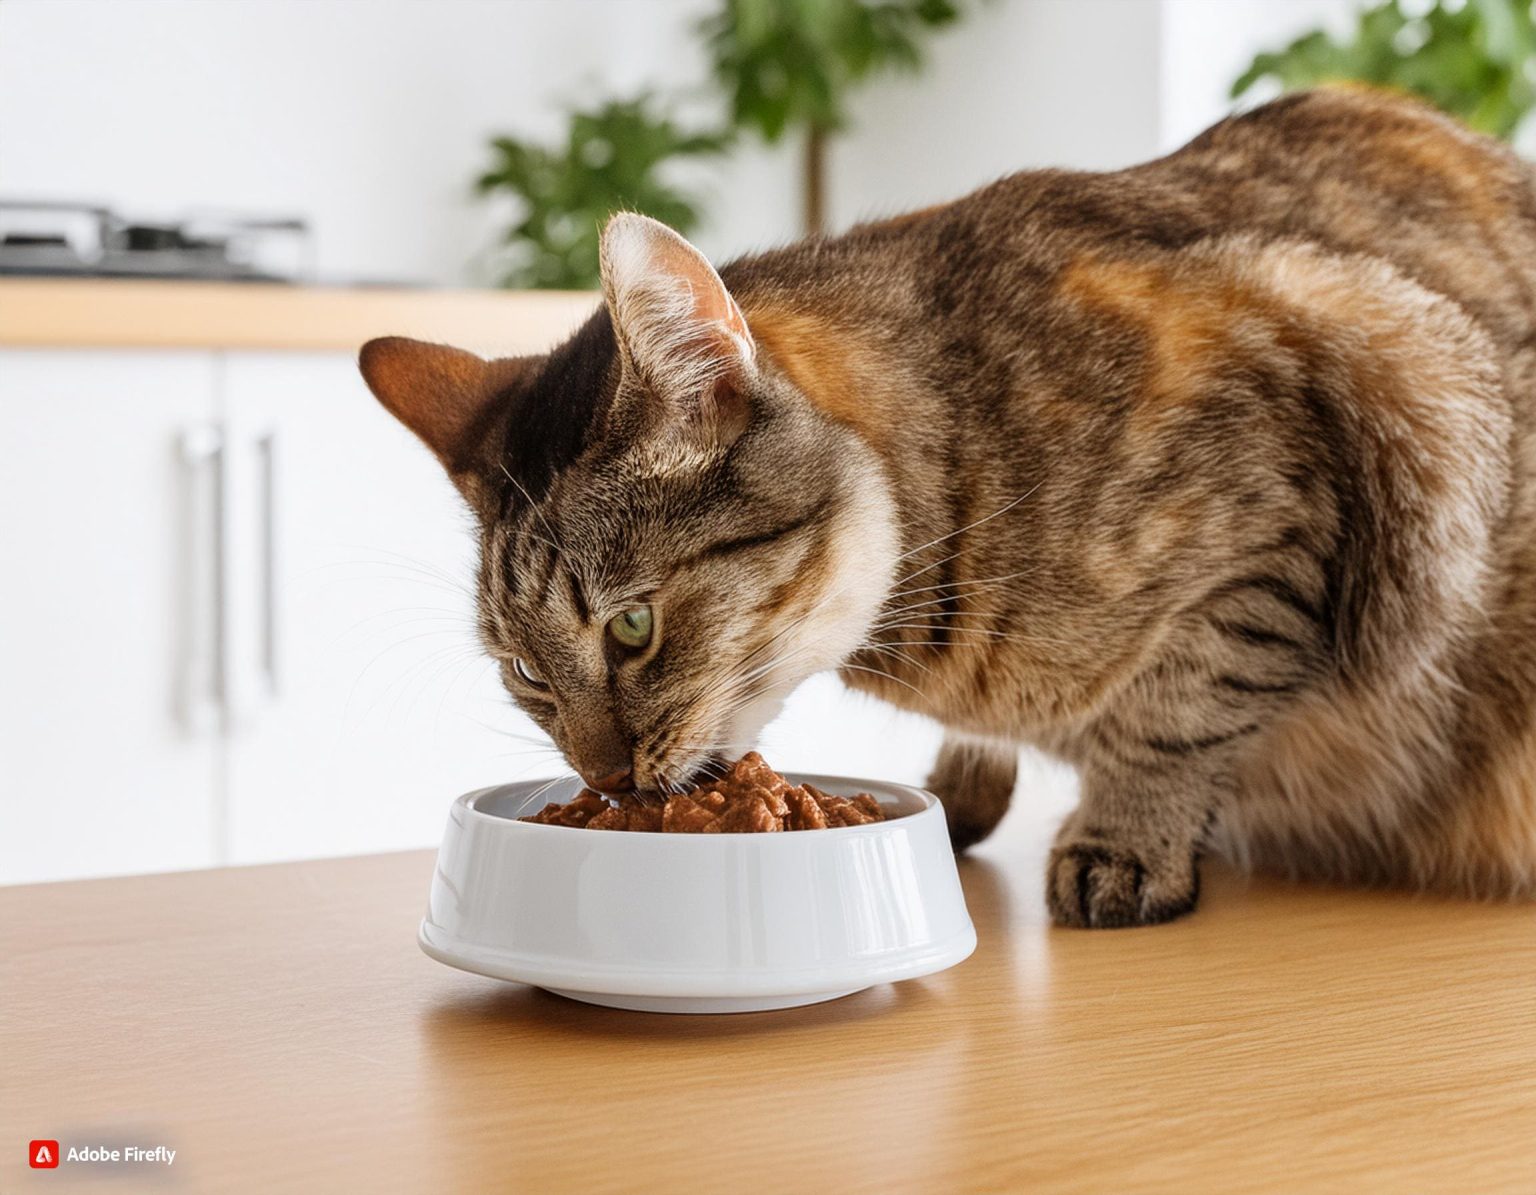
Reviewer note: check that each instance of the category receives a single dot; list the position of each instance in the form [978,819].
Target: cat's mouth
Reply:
[675,769]
[666,782]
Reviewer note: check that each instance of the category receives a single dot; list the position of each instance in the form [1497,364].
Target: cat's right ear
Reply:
[680,332]
[446,396]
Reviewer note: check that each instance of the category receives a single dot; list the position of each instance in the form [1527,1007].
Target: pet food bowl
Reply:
[697,923]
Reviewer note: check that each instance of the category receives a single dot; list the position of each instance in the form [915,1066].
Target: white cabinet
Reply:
[360,702]
[235,623]
[105,631]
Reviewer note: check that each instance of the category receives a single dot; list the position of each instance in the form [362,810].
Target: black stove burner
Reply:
[35,240]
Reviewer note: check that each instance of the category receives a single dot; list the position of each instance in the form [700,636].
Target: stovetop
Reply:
[59,239]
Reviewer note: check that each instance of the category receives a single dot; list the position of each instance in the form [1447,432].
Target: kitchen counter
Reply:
[276,1024]
[121,313]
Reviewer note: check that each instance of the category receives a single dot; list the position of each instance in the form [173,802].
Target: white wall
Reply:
[1206,44]
[1022,84]
[371,115]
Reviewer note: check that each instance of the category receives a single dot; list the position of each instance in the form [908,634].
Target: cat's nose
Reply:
[615,782]
[602,752]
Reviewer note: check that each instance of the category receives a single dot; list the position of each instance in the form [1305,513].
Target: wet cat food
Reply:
[749,799]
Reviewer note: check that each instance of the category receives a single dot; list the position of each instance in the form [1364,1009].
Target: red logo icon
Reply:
[43,1155]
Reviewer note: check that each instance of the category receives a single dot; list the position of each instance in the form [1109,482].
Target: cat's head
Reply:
[673,535]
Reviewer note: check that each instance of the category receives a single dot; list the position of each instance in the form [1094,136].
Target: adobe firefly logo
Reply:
[43,1155]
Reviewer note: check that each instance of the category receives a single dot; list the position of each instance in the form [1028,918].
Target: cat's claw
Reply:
[1094,884]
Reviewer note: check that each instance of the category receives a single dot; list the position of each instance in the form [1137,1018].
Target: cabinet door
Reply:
[361,705]
[105,625]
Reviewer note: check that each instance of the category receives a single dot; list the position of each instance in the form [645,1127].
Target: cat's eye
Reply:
[526,674]
[632,628]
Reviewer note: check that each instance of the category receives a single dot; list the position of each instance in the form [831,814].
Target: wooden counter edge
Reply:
[132,313]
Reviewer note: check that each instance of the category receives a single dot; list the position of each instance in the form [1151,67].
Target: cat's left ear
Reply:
[681,333]
[452,400]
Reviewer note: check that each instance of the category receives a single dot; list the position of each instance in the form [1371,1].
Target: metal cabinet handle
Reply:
[231,646]
[203,666]
[270,631]
[252,583]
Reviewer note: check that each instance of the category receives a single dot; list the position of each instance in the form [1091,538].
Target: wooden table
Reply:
[278,1027]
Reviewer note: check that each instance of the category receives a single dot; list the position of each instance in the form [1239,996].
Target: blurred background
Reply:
[235,624]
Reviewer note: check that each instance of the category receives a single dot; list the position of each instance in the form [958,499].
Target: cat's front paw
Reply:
[1095,883]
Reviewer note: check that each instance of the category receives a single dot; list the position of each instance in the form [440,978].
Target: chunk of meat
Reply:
[751,798]
[612,818]
[577,812]
[805,812]
[643,815]
[750,815]
[684,815]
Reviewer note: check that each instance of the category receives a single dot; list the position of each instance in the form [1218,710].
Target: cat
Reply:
[1214,476]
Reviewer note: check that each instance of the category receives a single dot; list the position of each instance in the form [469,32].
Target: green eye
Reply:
[633,627]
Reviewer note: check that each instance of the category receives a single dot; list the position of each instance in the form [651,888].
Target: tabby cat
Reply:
[1215,476]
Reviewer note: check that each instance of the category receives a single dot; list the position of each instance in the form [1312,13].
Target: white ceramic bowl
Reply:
[697,922]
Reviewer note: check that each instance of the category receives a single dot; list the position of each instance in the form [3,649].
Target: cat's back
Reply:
[1359,212]
[1348,171]
[1362,171]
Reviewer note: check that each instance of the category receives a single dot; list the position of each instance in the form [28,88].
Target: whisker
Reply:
[891,649]
[987,582]
[987,632]
[886,675]
[539,792]
[955,590]
[410,564]
[972,525]
[736,685]
[395,646]
[554,539]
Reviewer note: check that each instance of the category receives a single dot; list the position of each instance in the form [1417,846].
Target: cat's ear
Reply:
[680,332]
[445,395]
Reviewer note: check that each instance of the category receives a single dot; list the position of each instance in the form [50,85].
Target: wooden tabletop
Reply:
[278,1027]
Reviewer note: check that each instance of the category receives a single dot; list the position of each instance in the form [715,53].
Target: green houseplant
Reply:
[610,160]
[791,64]
[1472,59]
[782,66]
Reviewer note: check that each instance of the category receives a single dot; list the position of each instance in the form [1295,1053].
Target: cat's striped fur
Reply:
[1215,476]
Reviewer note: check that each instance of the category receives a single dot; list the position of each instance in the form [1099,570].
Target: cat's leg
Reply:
[1127,855]
[975,781]
[1158,765]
